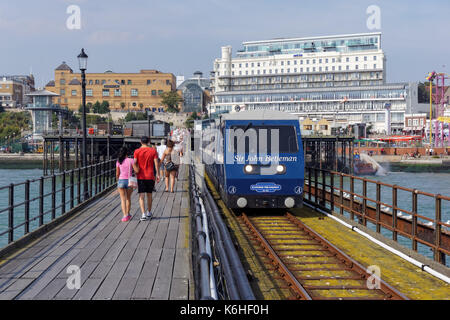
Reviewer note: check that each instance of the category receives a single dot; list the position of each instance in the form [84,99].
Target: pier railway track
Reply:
[309,266]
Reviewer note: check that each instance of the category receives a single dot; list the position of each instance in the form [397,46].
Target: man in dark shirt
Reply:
[145,160]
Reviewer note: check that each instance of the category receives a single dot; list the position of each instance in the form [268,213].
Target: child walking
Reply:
[124,169]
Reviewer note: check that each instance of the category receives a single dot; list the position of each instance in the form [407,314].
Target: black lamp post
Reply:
[82,62]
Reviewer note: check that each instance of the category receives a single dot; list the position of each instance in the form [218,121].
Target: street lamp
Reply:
[82,62]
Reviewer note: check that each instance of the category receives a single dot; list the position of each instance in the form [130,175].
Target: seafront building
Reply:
[123,91]
[195,93]
[339,78]
[14,90]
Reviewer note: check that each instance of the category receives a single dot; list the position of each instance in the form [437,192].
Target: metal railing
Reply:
[391,210]
[34,203]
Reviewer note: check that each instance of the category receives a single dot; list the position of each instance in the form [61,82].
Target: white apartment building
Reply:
[340,78]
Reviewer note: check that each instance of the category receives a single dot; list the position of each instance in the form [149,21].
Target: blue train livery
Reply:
[255,159]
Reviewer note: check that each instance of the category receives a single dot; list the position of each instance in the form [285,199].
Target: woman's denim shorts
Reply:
[122,183]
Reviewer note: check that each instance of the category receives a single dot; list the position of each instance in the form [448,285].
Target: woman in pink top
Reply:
[124,169]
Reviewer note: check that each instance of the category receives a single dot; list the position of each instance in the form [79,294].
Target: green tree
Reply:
[104,107]
[171,99]
[132,116]
[88,108]
[97,106]
[190,120]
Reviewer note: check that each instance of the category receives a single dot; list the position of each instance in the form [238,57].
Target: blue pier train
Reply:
[255,159]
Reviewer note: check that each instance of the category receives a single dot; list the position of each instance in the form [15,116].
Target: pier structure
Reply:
[195,247]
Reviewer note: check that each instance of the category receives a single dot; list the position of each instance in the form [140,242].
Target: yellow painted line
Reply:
[404,276]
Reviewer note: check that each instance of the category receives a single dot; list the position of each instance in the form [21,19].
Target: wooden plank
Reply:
[163,280]
[179,289]
[15,289]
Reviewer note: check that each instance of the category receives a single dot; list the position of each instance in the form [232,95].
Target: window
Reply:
[356,67]
[307,61]
[105,92]
[62,92]
[168,82]
[62,81]
[90,82]
[103,81]
[123,82]
[375,66]
[320,60]
[148,82]
[134,92]
[74,92]
[117,92]
[129,82]
[409,122]
[415,122]
[365,58]
[97,81]
[347,59]
[153,92]
[356,59]
[374,58]
[288,63]
[160,92]
[89,92]
[282,63]
[347,67]
[314,61]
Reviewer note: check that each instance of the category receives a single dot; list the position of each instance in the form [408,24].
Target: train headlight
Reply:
[241,202]
[248,168]
[289,202]
[281,168]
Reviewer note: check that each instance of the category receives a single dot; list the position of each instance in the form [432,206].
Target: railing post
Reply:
[27,206]
[41,201]
[394,212]
[414,220]
[11,213]
[378,206]
[341,192]
[324,189]
[79,186]
[332,190]
[364,219]
[316,187]
[352,197]
[71,189]
[91,169]
[63,193]
[53,196]
[438,256]
[309,184]
[96,178]
[103,169]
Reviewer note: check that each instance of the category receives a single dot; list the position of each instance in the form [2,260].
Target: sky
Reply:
[183,36]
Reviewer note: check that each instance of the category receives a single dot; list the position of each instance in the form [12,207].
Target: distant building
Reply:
[195,93]
[340,78]
[123,91]
[42,110]
[14,90]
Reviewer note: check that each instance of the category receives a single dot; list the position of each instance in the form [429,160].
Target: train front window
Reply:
[258,139]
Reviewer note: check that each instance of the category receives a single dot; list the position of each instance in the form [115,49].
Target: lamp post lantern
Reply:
[82,62]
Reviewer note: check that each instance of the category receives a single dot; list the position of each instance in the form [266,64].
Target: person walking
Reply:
[145,162]
[161,148]
[124,169]
[171,162]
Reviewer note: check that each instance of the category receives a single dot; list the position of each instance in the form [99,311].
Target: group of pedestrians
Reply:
[147,166]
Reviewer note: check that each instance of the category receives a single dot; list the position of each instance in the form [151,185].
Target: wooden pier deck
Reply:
[117,260]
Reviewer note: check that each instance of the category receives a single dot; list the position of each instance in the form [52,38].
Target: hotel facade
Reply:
[338,78]
[123,91]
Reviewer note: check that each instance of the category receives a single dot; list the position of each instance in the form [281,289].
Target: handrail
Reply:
[326,189]
[49,197]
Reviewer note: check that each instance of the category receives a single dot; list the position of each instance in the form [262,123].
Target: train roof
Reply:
[259,115]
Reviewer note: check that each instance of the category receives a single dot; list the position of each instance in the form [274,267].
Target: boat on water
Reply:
[362,168]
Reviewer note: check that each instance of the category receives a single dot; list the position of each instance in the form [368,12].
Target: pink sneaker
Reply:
[126,218]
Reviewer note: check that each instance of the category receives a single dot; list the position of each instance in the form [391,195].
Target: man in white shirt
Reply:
[160,149]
